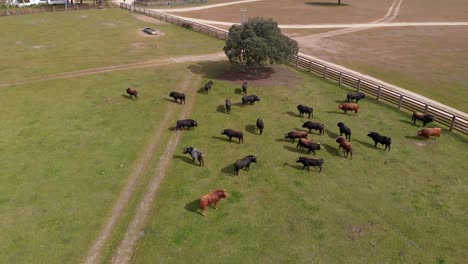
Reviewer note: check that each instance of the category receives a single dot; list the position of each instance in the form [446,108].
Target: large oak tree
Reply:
[259,41]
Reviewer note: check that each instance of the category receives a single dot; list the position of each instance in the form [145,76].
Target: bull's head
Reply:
[340,106]
[222,132]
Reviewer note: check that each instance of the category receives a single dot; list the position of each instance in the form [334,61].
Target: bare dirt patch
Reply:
[137,45]
[354,232]
[261,76]
[109,24]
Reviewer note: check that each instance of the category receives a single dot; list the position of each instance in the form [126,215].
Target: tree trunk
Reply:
[339,2]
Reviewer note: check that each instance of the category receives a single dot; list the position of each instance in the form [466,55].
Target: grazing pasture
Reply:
[34,46]
[406,205]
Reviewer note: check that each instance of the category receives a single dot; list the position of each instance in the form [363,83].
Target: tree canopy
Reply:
[258,41]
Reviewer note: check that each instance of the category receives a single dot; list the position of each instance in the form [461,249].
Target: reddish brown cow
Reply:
[296,134]
[346,145]
[132,92]
[430,132]
[349,107]
[212,198]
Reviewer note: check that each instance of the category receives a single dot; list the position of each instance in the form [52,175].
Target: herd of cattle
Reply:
[344,143]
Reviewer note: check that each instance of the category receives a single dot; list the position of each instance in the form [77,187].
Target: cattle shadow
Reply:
[283,140]
[171,100]
[332,150]
[228,170]
[367,144]
[185,158]
[415,137]
[292,114]
[238,104]
[251,129]
[126,96]
[171,129]
[193,206]
[330,133]
[221,138]
[295,166]
[335,112]
[302,129]
[294,149]
[201,90]
[405,121]
[325,4]
[221,109]
[238,91]
[340,101]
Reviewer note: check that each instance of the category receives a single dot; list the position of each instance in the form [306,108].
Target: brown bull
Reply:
[349,107]
[212,198]
[430,132]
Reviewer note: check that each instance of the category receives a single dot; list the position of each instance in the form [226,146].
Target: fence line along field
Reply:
[378,207]
[69,145]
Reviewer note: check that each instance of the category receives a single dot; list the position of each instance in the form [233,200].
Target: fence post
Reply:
[358,84]
[30,10]
[310,65]
[53,8]
[378,92]
[452,123]
[325,72]
[425,109]
[399,103]
[341,76]
[297,60]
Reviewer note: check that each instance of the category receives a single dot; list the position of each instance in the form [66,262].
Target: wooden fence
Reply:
[452,120]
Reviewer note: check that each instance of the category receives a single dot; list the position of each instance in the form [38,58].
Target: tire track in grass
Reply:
[94,253]
[119,67]
[126,248]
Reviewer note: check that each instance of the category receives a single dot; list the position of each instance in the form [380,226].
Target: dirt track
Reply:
[120,67]
[126,248]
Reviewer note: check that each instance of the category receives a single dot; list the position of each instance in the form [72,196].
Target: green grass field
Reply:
[68,147]
[403,206]
[44,44]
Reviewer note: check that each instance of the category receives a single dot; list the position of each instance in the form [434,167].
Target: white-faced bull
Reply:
[380,139]
[305,110]
[306,162]
[188,123]
[196,154]
[244,163]
[178,96]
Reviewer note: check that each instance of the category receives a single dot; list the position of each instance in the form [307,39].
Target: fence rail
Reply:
[452,120]
[52,8]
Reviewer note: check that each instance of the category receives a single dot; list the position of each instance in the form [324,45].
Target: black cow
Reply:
[208,86]
[425,118]
[344,130]
[260,125]
[244,88]
[309,145]
[228,105]
[186,123]
[355,96]
[380,139]
[132,92]
[178,96]
[196,154]
[315,126]
[305,110]
[244,163]
[310,162]
[233,133]
[250,99]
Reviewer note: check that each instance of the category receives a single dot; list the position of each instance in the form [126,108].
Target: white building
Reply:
[37,2]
